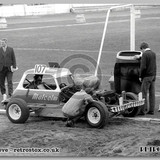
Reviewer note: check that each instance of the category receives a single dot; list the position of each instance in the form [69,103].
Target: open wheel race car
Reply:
[56,87]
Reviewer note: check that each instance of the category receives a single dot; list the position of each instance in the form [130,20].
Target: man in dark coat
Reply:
[148,76]
[7,67]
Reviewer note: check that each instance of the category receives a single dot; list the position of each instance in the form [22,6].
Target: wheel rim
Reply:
[94,115]
[14,111]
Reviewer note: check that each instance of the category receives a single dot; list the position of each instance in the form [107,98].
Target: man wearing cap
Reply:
[7,67]
[147,77]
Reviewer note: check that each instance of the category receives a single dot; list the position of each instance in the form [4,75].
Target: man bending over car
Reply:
[74,108]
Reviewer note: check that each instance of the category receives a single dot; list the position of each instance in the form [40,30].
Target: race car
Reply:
[57,85]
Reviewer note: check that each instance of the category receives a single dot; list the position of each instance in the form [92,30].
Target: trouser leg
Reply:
[152,96]
[2,82]
[144,88]
[10,83]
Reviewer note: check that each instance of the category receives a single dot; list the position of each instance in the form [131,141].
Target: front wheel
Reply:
[131,112]
[17,110]
[96,114]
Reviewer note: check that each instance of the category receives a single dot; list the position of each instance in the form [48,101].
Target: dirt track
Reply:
[121,137]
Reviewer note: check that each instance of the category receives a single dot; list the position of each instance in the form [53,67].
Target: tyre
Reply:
[96,114]
[131,112]
[17,110]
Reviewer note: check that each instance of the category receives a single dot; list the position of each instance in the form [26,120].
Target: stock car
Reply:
[59,87]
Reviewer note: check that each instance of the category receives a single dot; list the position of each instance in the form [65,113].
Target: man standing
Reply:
[148,76]
[7,67]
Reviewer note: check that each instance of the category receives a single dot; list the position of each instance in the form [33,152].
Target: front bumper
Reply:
[127,104]
[120,108]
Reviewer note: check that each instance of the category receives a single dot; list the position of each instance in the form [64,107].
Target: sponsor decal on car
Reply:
[44,97]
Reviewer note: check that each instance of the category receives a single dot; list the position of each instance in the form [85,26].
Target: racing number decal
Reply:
[40,68]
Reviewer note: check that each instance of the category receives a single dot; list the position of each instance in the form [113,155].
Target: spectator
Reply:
[148,77]
[7,67]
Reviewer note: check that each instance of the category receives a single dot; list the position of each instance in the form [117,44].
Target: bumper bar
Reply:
[125,106]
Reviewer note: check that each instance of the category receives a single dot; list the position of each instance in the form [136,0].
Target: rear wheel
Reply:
[17,110]
[96,114]
[131,112]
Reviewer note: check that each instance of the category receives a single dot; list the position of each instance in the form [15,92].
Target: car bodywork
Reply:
[48,102]
[48,99]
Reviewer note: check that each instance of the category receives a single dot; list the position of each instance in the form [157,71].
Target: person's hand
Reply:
[140,79]
[88,100]
[14,69]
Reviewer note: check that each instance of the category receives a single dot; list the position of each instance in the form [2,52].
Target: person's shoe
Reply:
[151,112]
[159,109]
[70,123]
[4,97]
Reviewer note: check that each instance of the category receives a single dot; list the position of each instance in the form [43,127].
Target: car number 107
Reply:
[40,68]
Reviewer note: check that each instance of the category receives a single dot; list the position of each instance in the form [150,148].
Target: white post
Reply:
[132,32]
[132,28]
[102,42]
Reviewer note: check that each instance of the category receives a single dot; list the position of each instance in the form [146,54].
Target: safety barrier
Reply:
[27,10]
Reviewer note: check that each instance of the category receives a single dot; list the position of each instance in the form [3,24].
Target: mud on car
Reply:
[58,86]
